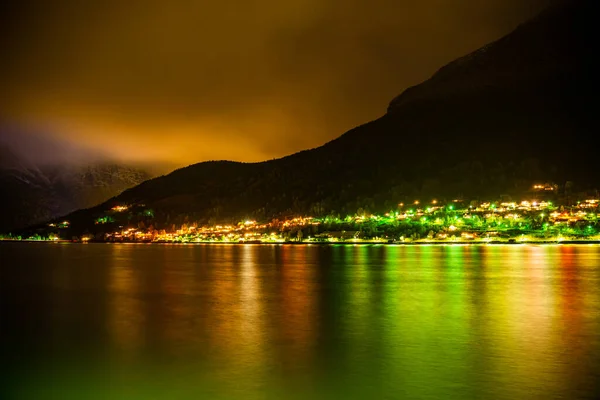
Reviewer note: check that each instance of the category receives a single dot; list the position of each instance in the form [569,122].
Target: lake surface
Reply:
[119,321]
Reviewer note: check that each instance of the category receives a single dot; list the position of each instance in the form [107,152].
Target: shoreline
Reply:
[365,242]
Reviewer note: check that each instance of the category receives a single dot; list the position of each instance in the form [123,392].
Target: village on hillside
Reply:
[544,216]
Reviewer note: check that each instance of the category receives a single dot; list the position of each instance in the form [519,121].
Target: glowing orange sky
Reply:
[188,81]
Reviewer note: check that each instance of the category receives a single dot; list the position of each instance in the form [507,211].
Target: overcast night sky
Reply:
[184,81]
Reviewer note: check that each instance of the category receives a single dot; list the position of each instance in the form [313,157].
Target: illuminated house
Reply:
[545,187]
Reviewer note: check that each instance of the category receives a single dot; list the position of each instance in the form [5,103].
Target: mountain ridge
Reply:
[518,54]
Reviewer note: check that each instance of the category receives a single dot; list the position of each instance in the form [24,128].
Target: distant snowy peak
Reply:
[101,175]
[36,193]
[21,169]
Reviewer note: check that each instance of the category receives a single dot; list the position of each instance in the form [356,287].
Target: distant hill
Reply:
[514,112]
[33,193]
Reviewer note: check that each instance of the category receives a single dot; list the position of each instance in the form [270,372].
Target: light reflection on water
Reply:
[286,321]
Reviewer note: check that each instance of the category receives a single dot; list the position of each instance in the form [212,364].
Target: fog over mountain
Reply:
[64,178]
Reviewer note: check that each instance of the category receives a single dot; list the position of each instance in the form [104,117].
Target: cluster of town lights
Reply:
[433,220]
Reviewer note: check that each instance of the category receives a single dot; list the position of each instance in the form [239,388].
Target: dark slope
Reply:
[492,122]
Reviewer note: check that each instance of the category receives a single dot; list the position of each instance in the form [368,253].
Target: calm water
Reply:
[103,321]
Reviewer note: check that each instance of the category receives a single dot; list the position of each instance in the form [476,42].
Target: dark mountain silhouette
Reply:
[493,122]
[33,193]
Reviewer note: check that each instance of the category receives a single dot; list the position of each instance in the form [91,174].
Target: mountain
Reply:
[516,111]
[33,193]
